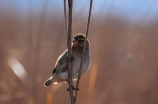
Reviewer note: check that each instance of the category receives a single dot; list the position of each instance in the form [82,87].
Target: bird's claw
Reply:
[74,99]
[73,88]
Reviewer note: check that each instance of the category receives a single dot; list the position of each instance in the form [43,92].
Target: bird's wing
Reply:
[62,63]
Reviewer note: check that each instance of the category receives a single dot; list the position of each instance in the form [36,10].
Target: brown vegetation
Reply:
[124,59]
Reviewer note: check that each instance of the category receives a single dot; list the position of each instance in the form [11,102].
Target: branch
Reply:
[85,43]
[65,16]
[70,2]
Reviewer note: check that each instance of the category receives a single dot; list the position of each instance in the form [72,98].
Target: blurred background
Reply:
[123,43]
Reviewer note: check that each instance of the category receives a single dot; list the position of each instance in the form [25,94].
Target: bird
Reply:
[60,70]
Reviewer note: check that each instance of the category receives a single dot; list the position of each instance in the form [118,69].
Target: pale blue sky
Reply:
[131,8]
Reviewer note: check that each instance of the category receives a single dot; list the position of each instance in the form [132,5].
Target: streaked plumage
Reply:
[60,71]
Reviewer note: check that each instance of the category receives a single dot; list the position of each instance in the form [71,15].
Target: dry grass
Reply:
[124,60]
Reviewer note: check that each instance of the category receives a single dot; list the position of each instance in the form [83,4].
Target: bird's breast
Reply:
[76,65]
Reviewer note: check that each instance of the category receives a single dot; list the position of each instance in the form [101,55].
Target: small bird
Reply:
[60,71]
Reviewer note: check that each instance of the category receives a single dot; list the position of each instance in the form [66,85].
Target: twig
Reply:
[81,64]
[65,16]
[70,2]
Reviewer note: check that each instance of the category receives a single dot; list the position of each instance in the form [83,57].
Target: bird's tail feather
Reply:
[49,81]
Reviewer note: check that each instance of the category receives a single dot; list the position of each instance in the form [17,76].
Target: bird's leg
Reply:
[73,88]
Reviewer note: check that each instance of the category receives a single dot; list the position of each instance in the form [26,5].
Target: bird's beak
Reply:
[75,41]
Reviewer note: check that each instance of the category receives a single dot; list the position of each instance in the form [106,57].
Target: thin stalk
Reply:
[81,64]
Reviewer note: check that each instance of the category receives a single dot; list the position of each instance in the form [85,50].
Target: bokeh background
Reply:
[123,43]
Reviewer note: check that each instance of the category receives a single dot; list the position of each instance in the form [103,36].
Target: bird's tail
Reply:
[49,81]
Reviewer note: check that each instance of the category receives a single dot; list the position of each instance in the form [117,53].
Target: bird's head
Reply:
[78,40]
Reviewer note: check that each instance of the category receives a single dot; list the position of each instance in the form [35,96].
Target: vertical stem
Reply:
[65,16]
[70,2]
[81,64]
